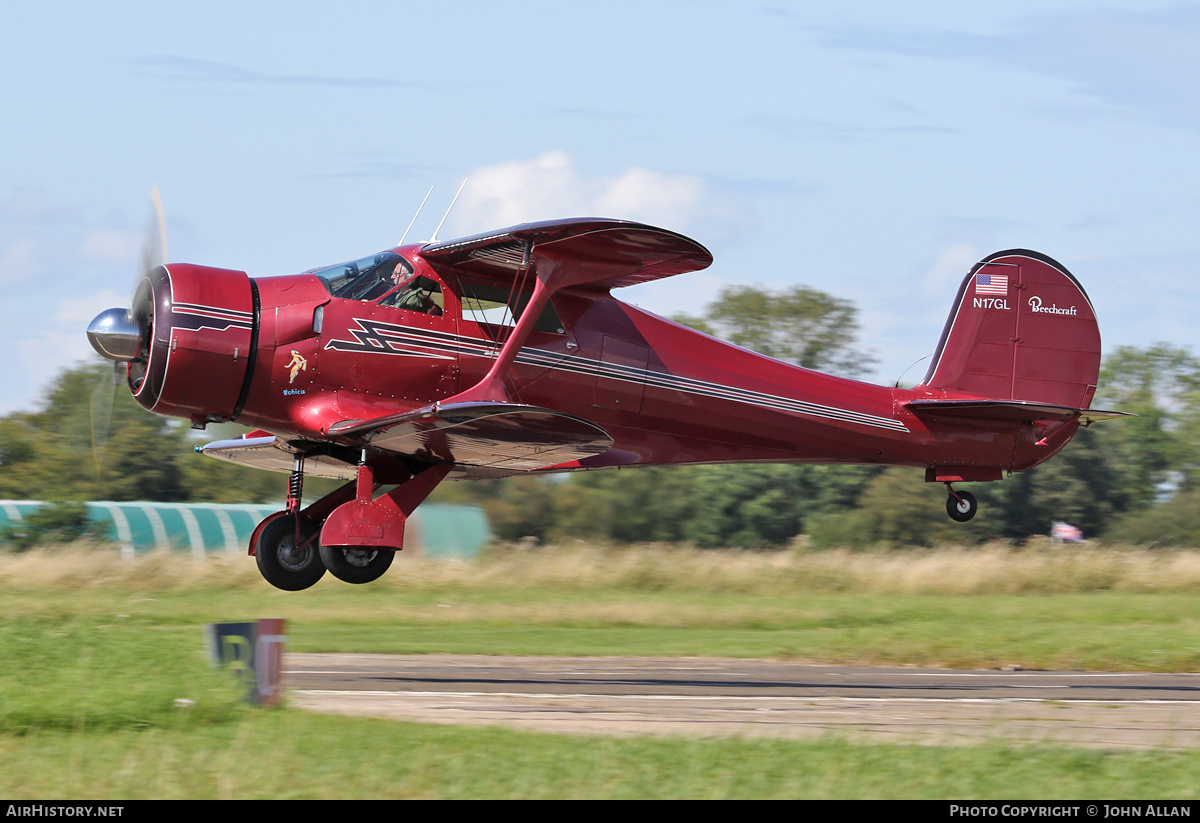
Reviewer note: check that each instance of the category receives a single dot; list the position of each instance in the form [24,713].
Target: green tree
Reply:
[798,325]
[1161,446]
[73,449]
[1173,523]
[896,510]
[91,441]
[1155,457]
[638,504]
[756,506]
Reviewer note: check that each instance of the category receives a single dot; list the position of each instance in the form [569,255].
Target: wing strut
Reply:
[492,388]
[585,253]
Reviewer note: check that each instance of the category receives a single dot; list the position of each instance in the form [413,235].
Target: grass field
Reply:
[99,651]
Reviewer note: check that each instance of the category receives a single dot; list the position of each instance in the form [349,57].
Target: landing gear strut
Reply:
[961,506]
[349,532]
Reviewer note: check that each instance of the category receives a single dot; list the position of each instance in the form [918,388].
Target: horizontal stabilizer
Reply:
[1010,410]
[507,436]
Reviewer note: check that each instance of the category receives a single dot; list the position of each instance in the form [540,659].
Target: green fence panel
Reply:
[435,529]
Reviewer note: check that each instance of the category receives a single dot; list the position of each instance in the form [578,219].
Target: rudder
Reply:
[1022,329]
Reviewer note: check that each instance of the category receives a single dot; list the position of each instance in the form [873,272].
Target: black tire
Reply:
[280,563]
[962,509]
[356,564]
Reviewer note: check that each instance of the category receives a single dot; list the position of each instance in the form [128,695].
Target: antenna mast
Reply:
[447,214]
[415,216]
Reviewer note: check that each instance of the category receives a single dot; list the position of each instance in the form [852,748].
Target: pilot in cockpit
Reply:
[416,296]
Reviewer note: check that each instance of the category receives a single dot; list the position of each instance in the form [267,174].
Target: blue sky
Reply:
[872,150]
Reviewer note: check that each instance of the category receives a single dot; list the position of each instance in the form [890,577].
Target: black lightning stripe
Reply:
[195,317]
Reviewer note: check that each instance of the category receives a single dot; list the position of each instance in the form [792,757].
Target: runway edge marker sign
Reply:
[254,653]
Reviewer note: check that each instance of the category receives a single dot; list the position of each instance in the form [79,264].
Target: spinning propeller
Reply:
[123,335]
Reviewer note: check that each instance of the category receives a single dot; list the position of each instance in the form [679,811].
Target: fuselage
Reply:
[666,394]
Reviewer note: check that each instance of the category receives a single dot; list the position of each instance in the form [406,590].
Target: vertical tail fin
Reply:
[1022,329]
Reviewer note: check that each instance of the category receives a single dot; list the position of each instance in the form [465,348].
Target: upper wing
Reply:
[506,436]
[586,251]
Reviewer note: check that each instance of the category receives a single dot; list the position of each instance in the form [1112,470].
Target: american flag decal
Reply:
[991,284]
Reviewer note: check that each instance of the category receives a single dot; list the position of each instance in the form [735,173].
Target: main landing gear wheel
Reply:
[356,564]
[286,564]
[961,506]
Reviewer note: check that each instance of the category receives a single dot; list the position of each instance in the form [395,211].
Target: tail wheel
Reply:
[961,506]
[356,564]
[285,562]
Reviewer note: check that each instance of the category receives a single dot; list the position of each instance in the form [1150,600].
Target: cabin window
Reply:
[488,302]
[423,294]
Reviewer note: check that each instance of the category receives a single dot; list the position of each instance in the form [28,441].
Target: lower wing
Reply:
[499,436]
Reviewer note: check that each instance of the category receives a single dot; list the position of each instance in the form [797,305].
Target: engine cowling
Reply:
[195,329]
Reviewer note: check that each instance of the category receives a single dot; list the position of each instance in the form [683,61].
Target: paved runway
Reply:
[618,695]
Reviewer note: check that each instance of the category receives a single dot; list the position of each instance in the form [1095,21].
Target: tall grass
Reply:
[995,569]
[1040,607]
[950,571]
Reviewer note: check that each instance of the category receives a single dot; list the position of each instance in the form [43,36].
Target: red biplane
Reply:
[506,353]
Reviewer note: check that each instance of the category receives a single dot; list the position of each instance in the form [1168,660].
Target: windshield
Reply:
[367,278]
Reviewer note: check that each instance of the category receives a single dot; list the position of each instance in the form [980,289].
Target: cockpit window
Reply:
[365,279]
[421,294]
[501,305]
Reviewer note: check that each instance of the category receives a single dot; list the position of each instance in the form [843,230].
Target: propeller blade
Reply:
[122,335]
[154,248]
[101,408]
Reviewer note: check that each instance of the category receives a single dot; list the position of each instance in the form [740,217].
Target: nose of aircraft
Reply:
[123,334]
[116,334]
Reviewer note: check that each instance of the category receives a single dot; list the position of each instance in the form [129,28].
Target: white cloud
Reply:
[654,197]
[550,187]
